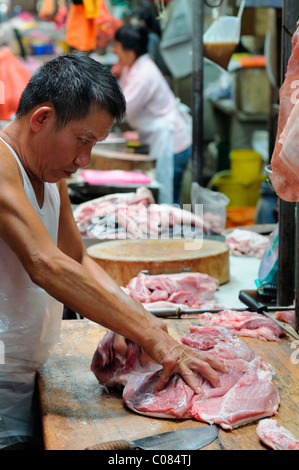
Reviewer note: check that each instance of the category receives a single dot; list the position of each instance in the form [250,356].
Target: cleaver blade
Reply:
[182,439]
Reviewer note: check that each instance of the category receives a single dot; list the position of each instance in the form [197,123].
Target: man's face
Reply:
[66,150]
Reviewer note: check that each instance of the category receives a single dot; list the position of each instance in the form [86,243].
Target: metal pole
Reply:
[286,255]
[197,90]
[297,271]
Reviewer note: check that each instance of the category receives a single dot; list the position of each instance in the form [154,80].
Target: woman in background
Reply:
[163,123]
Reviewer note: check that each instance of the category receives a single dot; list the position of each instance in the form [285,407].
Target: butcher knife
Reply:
[181,439]
[255,306]
[178,312]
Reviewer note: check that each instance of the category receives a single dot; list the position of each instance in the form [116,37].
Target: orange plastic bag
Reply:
[14,77]
[80,31]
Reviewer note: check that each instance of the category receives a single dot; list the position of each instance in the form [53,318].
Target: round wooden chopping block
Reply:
[124,259]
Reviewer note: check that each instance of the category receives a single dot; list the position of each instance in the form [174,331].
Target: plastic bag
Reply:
[214,206]
[107,25]
[176,41]
[14,77]
[222,37]
[47,10]
[80,31]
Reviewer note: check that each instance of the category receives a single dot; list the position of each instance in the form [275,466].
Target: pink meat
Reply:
[245,323]
[276,437]
[174,401]
[109,367]
[137,216]
[287,316]
[243,242]
[245,394]
[190,289]
[224,346]
[285,162]
[248,400]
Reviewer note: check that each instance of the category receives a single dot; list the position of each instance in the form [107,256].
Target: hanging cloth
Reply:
[80,31]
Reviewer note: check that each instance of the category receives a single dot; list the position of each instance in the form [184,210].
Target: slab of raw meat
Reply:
[134,216]
[246,243]
[110,367]
[287,316]
[189,289]
[246,323]
[218,342]
[250,399]
[285,161]
[246,391]
[276,437]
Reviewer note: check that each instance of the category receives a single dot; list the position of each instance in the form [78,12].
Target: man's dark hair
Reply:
[73,83]
[133,38]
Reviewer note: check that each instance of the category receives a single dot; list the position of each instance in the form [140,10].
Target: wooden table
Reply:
[77,412]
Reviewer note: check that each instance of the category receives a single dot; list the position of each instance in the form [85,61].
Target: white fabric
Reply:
[160,119]
[29,323]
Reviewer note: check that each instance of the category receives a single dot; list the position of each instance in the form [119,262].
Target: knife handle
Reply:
[120,444]
[253,304]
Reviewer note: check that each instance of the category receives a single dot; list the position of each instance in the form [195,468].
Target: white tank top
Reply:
[29,322]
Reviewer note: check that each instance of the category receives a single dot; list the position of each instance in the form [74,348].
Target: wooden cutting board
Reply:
[77,412]
[124,259]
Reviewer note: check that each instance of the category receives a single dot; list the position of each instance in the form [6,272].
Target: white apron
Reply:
[29,325]
[158,133]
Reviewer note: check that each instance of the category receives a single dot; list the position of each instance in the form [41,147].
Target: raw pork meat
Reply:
[135,215]
[246,243]
[246,392]
[287,316]
[245,323]
[110,367]
[285,161]
[187,289]
[276,437]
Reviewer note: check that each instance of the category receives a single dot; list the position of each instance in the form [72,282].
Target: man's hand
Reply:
[175,357]
[119,343]
[184,360]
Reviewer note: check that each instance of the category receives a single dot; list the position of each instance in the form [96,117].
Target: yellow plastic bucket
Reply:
[245,165]
[239,194]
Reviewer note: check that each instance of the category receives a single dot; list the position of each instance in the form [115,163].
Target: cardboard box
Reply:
[252,90]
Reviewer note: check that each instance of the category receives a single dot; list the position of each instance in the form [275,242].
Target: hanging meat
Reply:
[285,158]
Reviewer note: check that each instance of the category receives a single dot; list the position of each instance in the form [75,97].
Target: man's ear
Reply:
[40,117]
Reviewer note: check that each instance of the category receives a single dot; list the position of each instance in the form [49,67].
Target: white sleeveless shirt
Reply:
[29,322]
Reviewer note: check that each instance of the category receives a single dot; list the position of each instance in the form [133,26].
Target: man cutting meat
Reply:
[69,104]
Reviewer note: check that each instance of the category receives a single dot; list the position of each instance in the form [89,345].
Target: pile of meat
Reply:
[246,393]
[285,158]
[185,290]
[276,437]
[246,243]
[245,323]
[286,316]
[135,215]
